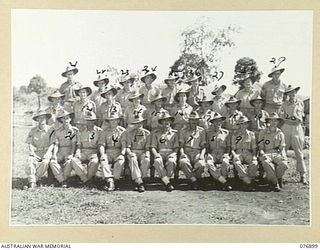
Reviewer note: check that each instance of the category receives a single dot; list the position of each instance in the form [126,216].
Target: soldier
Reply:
[154,113]
[232,113]
[258,117]
[196,92]
[273,91]
[87,146]
[273,158]
[96,97]
[164,146]
[219,99]
[243,146]
[170,90]
[293,112]
[136,108]
[110,106]
[245,94]
[217,153]
[192,142]
[181,110]
[55,101]
[149,90]
[205,112]
[40,146]
[84,104]
[68,88]
[65,139]
[138,145]
[122,96]
[112,150]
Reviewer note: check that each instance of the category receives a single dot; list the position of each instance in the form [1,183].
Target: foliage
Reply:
[246,68]
[37,84]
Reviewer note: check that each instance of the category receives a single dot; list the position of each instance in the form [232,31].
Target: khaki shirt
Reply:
[40,138]
[131,112]
[153,118]
[108,109]
[258,120]
[112,139]
[292,112]
[81,107]
[138,139]
[97,98]
[122,98]
[205,117]
[195,94]
[68,89]
[53,121]
[193,139]
[170,94]
[245,96]
[273,93]
[181,114]
[66,137]
[149,94]
[231,119]
[217,141]
[218,104]
[165,140]
[239,141]
[271,141]
[88,139]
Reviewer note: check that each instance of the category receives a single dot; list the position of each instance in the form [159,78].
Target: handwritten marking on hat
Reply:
[125,72]
[280,60]
[73,65]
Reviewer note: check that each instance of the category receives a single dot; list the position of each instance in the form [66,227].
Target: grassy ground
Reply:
[92,206]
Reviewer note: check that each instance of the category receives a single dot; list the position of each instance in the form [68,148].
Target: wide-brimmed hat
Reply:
[259,98]
[216,117]
[70,69]
[182,91]
[194,116]
[134,95]
[136,119]
[274,70]
[62,113]
[274,116]
[41,113]
[109,88]
[242,120]
[205,99]
[55,94]
[87,88]
[172,77]
[158,97]
[290,89]
[165,116]
[231,100]
[126,78]
[193,78]
[109,117]
[149,73]
[90,116]
[104,79]
[217,88]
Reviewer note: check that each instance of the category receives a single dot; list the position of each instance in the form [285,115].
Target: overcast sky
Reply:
[44,41]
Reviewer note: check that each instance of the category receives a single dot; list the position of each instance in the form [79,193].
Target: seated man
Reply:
[112,150]
[192,141]
[84,104]
[244,150]
[40,145]
[216,138]
[138,145]
[164,146]
[273,157]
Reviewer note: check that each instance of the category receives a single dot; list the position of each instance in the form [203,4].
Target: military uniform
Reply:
[68,90]
[245,96]
[53,111]
[122,98]
[181,115]
[153,118]
[97,98]
[232,119]
[258,121]
[205,117]
[149,95]
[80,107]
[273,94]
[132,111]
[196,93]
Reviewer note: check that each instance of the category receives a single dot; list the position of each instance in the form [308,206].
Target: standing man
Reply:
[68,88]
[273,157]
[192,143]
[273,91]
[55,105]
[164,146]
[149,90]
[219,99]
[122,96]
[101,83]
[293,112]
[84,104]
[170,90]
[196,92]
[40,146]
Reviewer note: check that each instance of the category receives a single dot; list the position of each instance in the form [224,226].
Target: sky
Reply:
[44,41]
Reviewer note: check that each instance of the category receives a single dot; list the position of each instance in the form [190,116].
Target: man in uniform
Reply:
[68,88]
[258,117]
[293,112]
[170,90]
[65,139]
[40,145]
[154,113]
[84,104]
[101,83]
[87,146]
[219,99]
[122,96]
[138,146]
[135,109]
[192,142]
[273,157]
[164,146]
[232,114]
[112,150]
[205,112]
[196,92]
[273,91]
[55,101]
[243,146]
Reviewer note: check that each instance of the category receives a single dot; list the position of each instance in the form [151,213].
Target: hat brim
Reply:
[52,97]
[245,122]
[160,98]
[105,81]
[88,89]
[174,79]
[131,80]
[224,87]
[281,70]
[153,75]
[213,120]
[256,100]
[35,118]
[135,97]
[184,92]
[111,118]
[137,122]
[114,90]
[199,102]
[268,119]
[295,89]
[198,78]
[59,118]
[167,118]
[228,103]
[75,71]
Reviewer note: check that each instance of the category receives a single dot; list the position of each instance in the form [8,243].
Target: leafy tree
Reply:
[201,47]
[38,85]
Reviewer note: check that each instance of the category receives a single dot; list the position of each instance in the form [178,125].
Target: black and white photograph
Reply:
[161,117]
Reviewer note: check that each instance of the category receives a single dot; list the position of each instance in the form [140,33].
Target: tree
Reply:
[201,47]
[38,85]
